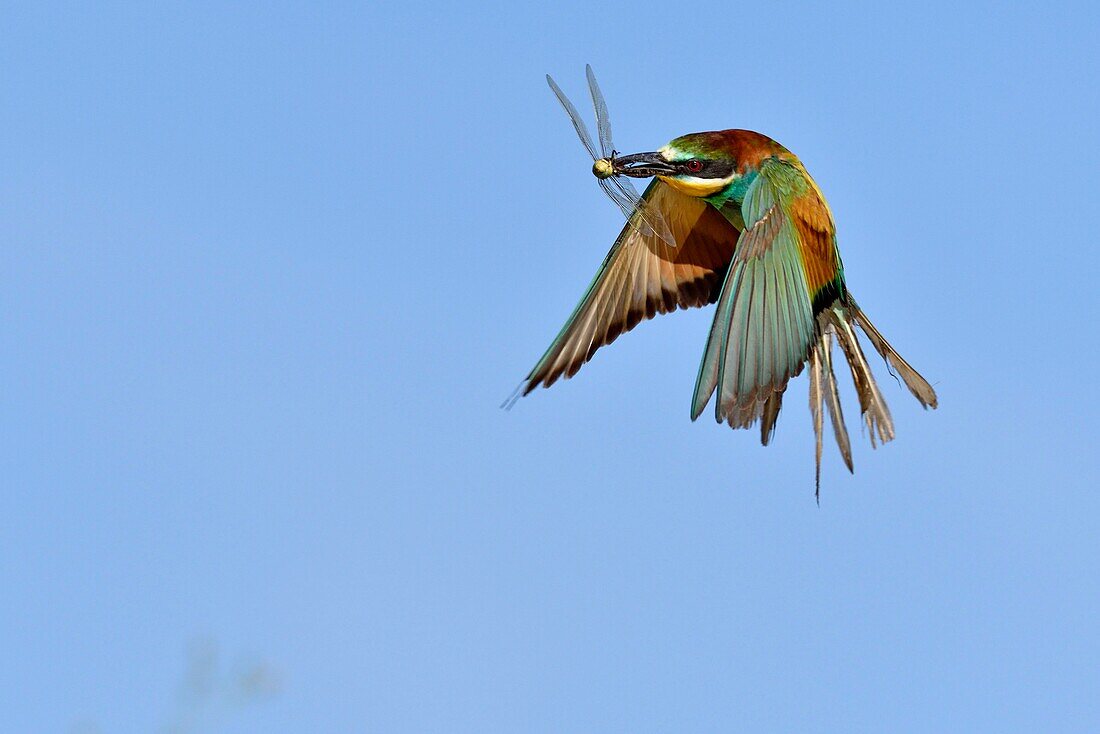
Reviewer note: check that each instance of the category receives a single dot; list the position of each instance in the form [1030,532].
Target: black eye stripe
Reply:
[707,169]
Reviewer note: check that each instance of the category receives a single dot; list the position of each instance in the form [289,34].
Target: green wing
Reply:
[764,325]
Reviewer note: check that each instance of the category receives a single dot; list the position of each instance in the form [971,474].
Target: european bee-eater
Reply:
[752,232]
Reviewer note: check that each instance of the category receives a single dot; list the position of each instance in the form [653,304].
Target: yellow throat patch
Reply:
[697,187]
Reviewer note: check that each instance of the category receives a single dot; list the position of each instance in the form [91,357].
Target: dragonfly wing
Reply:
[643,276]
[574,117]
[622,199]
[603,121]
[640,213]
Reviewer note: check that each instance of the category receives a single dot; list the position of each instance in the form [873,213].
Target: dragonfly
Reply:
[620,190]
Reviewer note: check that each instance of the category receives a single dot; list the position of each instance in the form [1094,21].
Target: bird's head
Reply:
[701,164]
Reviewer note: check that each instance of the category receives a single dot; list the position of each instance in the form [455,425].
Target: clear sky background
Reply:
[267,272]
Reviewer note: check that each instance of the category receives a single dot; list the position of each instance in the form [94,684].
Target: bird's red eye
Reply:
[694,166]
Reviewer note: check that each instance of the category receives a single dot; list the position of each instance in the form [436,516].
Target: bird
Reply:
[753,233]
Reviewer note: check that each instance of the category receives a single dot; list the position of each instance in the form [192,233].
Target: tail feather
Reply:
[876,414]
[817,399]
[832,396]
[917,385]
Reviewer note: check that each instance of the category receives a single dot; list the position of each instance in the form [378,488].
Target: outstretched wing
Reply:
[643,276]
[765,325]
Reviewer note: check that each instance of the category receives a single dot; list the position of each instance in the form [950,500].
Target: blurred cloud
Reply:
[212,692]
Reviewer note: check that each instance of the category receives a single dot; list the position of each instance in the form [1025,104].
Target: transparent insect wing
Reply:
[622,199]
[656,221]
[619,190]
[641,216]
[574,117]
[603,121]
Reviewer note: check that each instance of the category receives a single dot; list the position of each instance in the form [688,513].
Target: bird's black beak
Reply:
[642,165]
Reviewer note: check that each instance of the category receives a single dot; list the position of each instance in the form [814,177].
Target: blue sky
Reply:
[267,272]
